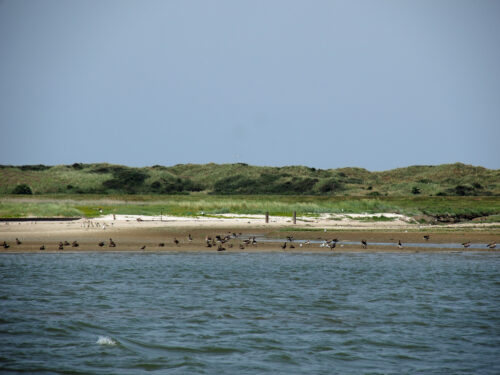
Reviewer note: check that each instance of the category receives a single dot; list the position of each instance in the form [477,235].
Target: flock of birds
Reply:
[221,242]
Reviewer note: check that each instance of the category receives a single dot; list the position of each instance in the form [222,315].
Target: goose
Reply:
[190,238]
[220,248]
[61,246]
[143,247]
[75,244]
[5,245]
[466,244]
[254,242]
[101,244]
[18,242]
[242,247]
[332,245]
[283,246]
[176,241]
[112,243]
[491,245]
[364,244]
[66,243]
[291,246]
[42,247]
[400,245]
[426,237]
[161,244]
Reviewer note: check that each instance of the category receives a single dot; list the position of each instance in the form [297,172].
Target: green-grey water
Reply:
[247,313]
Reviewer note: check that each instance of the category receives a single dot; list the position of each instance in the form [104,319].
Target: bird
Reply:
[112,243]
[466,244]
[491,245]
[289,238]
[291,246]
[364,244]
[5,245]
[283,246]
[400,245]
[75,244]
[242,247]
[18,242]
[42,247]
[190,238]
[220,248]
[254,242]
[66,243]
[426,237]
[176,241]
[143,247]
[101,244]
[161,244]
[209,244]
[307,242]
[61,246]
[333,244]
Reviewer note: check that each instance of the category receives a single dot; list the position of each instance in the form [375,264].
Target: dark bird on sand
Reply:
[18,242]
[161,244]
[491,245]
[209,244]
[364,244]
[61,246]
[283,246]
[112,243]
[5,245]
[42,247]
[426,237]
[143,247]
[220,248]
[400,245]
[66,243]
[190,238]
[242,247]
[333,244]
[466,245]
[75,244]
[101,244]
[176,241]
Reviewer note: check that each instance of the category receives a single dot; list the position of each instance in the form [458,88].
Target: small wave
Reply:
[105,340]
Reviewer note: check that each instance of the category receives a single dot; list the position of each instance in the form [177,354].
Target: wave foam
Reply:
[105,340]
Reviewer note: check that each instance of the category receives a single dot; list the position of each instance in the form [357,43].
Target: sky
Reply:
[326,84]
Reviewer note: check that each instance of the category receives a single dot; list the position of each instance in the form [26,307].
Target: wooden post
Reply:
[161,215]
[267,217]
[295,217]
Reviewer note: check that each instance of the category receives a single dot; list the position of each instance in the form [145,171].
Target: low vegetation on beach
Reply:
[423,209]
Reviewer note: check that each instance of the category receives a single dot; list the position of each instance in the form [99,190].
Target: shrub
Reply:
[22,189]
[126,179]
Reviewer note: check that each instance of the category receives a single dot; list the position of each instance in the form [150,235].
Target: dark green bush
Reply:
[37,167]
[129,180]
[22,189]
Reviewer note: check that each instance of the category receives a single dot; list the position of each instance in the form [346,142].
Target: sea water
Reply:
[248,313]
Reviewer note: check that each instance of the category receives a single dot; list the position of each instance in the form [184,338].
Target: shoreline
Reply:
[132,232]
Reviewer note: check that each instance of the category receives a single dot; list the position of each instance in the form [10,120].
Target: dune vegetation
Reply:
[444,193]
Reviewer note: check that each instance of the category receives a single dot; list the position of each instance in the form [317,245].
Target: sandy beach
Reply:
[131,233]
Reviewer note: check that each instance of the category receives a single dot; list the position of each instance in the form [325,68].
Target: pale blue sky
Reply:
[327,84]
